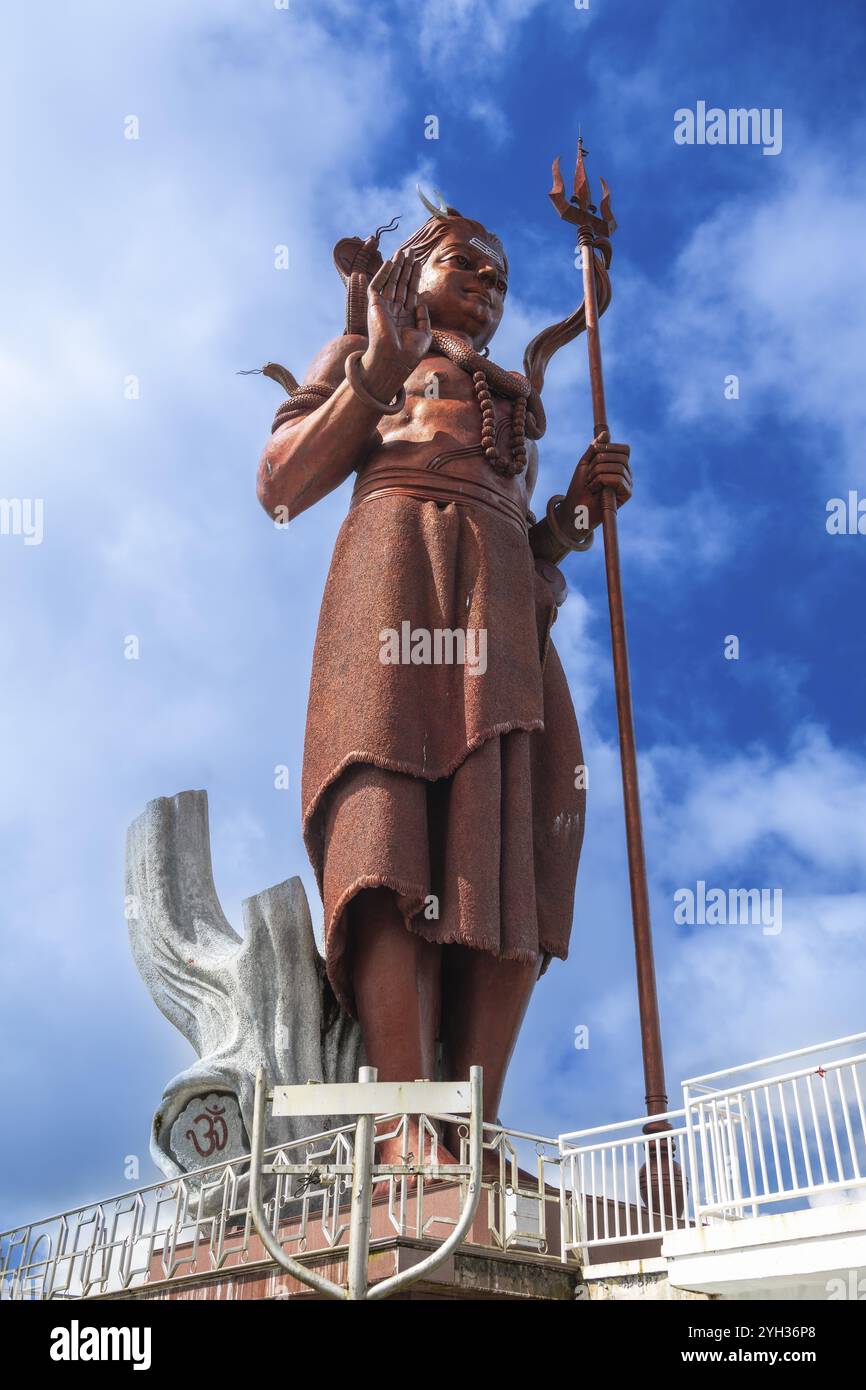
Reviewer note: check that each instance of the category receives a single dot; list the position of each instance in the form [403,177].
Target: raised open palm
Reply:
[397,325]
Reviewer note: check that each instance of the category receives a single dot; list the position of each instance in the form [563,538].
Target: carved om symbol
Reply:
[215,1135]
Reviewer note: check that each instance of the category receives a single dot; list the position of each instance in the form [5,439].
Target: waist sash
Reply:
[429,486]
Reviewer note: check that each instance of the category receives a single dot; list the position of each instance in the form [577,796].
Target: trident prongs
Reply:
[581,194]
[606,214]
[579,209]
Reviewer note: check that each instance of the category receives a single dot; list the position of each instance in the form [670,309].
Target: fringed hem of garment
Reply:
[408,768]
[410,899]
[487,944]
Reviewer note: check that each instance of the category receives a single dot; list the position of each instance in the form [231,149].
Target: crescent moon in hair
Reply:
[441,210]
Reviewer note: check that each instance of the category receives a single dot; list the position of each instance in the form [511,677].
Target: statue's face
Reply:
[463,285]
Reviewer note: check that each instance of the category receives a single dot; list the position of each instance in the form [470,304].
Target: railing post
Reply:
[362,1198]
[693,1182]
[563,1224]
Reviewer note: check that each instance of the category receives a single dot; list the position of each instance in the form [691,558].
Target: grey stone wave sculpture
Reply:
[261,999]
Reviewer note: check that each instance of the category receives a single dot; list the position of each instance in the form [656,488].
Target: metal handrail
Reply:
[166,1232]
[779,1057]
[610,1129]
[749,1145]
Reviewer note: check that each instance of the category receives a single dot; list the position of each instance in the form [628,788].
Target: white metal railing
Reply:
[623,1187]
[764,1136]
[199,1224]
[773,1135]
[767,1136]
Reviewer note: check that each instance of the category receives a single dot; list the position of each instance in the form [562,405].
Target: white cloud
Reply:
[729,993]
[492,118]
[466,34]
[772,288]
[808,802]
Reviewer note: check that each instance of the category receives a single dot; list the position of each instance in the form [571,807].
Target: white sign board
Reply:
[374,1098]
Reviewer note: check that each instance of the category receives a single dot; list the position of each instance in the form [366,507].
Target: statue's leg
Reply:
[396,981]
[484,1000]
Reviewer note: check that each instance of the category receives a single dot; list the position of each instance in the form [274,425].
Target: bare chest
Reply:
[441,400]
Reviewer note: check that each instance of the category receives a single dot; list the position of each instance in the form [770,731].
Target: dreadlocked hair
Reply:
[424,242]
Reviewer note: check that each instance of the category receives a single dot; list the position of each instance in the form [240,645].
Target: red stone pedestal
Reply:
[480,1269]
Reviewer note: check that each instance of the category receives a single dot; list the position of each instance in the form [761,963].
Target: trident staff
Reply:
[594,230]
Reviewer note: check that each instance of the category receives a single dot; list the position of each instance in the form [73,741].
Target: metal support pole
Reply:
[362,1198]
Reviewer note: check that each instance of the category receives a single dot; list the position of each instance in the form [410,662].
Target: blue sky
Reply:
[155,258]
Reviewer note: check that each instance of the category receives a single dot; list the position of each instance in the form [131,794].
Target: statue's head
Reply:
[464,276]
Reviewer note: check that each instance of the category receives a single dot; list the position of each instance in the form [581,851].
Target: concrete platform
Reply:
[472,1273]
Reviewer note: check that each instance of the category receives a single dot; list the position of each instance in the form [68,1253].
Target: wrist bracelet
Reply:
[562,536]
[353,376]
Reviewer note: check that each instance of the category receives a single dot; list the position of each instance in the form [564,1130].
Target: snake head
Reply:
[352,255]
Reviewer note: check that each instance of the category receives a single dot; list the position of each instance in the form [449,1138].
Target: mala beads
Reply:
[507,468]
[487,377]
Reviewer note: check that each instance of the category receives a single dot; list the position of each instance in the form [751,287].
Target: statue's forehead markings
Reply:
[488,250]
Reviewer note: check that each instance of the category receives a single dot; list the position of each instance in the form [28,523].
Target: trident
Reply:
[594,229]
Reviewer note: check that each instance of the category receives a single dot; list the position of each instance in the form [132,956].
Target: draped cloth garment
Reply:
[455,789]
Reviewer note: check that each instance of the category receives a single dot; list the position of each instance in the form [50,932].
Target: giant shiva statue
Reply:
[441,806]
